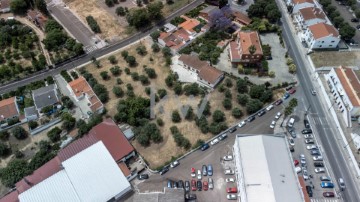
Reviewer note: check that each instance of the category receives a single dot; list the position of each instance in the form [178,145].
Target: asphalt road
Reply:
[97,53]
[338,162]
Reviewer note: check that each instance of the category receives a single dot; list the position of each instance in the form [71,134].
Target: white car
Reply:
[199,175]
[308,136]
[229,172]
[297,169]
[228,158]
[317,158]
[230,180]
[174,164]
[231,196]
[278,115]
[291,142]
[242,124]
[311,147]
[270,107]
[305,174]
[214,142]
[319,170]
[272,125]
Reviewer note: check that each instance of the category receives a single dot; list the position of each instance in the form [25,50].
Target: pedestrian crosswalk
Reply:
[324,200]
[89,49]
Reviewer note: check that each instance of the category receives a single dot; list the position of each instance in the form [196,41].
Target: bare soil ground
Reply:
[110,26]
[332,58]
[157,154]
[169,9]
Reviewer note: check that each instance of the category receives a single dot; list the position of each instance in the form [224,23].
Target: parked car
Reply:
[292,133]
[270,107]
[305,174]
[204,170]
[250,119]
[354,20]
[341,184]
[288,88]
[209,170]
[318,164]
[193,185]
[296,162]
[176,185]
[278,102]
[311,147]
[306,123]
[298,169]
[292,91]
[325,178]
[261,113]
[242,124]
[228,158]
[309,141]
[317,158]
[272,125]
[286,96]
[181,184]
[199,176]
[308,136]
[231,197]
[211,183]
[170,184]
[204,147]
[190,196]
[143,176]
[229,172]
[231,190]
[174,164]
[315,153]
[278,115]
[199,185]
[291,142]
[306,131]
[205,185]
[313,92]
[230,180]
[327,185]
[164,170]
[214,141]
[231,130]
[223,136]
[187,186]
[309,191]
[329,194]
[193,174]
[319,170]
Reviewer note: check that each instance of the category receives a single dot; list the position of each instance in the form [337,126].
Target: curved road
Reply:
[97,53]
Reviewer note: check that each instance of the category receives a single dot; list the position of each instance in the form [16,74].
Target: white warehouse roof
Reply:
[265,170]
[91,175]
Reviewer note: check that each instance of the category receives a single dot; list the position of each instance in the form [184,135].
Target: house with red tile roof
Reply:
[240,49]
[80,89]
[320,36]
[241,18]
[37,18]
[207,75]
[310,16]
[207,11]
[8,109]
[344,86]
[299,4]
[175,40]
[4,6]
[189,25]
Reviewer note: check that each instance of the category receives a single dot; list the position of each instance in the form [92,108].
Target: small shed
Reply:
[31,113]
[169,28]
[126,129]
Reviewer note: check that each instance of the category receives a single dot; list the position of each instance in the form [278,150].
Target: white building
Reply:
[345,88]
[265,170]
[91,175]
[299,4]
[310,16]
[321,36]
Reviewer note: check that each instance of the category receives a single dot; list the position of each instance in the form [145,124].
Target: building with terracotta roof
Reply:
[299,4]
[207,11]
[241,18]
[189,25]
[344,86]
[207,75]
[8,109]
[4,6]
[240,49]
[81,90]
[320,36]
[37,18]
[310,16]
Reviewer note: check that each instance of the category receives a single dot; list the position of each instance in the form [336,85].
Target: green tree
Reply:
[178,88]
[256,91]
[41,5]
[18,6]
[155,35]
[236,112]
[118,91]
[139,18]
[288,110]
[242,99]
[19,133]
[241,85]
[166,51]
[253,105]
[292,68]
[68,121]
[160,122]
[120,11]
[32,124]
[252,49]
[347,32]
[141,50]
[151,73]
[218,116]
[131,60]
[175,116]
[227,103]
[112,59]
[155,10]
[14,172]
[155,47]
[190,114]
[54,39]
[293,102]
[116,71]
[228,82]
[4,150]
[104,75]
[54,134]
[67,102]
[109,3]
[93,24]
[51,24]
[4,135]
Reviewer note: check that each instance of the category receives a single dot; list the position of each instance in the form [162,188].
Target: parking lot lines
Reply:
[89,49]
[324,200]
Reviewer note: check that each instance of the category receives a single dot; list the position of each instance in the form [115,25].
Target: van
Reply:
[291,122]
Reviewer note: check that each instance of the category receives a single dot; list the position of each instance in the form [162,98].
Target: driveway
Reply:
[74,26]
[184,75]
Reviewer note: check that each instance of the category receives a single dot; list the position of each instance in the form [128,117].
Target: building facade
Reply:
[240,51]
[310,16]
[299,4]
[321,36]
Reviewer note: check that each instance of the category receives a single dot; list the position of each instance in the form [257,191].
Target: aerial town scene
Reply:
[179,100]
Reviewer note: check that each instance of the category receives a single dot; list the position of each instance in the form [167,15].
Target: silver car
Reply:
[211,183]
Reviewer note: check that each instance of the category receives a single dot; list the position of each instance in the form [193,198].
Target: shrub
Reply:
[116,71]
[135,76]
[4,135]
[151,73]
[54,134]
[141,50]
[19,133]
[155,47]
[131,60]
[32,124]
[175,116]
[112,59]
[104,75]
[120,11]
[236,112]
[119,81]
[218,116]
[160,122]
[93,24]
[162,93]
[227,103]
[124,54]
[228,83]
[118,91]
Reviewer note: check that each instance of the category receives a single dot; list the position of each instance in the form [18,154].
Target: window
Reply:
[332,41]
[330,45]
[322,41]
[320,46]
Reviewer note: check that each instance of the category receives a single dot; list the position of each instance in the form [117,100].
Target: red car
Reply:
[296,162]
[205,185]
[278,102]
[193,185]
[193,174]
[231,190]
[328,194]
[292,91]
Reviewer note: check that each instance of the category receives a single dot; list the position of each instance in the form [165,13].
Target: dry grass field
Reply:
[334,58]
